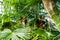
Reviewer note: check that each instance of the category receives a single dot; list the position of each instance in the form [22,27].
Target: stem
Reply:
[35,38]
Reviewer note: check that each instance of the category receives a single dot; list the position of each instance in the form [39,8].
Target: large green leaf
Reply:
[18,34]
[4,33]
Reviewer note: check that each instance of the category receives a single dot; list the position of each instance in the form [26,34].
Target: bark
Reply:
[48,6]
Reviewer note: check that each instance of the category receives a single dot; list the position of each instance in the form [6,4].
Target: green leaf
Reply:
[21,33]
[4,33]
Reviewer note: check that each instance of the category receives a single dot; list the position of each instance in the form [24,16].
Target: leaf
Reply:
[42,33]
[5,33]
[21,33]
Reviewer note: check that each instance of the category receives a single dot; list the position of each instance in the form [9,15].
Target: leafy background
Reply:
[29,20]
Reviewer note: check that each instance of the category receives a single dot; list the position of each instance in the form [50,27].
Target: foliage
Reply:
[30,20]
[17,34]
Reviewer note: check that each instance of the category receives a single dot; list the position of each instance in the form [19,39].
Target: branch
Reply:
[48,6]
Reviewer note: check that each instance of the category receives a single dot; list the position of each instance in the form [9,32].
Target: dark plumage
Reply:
[40,23]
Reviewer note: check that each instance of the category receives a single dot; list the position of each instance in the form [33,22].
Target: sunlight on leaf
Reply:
[16,35]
